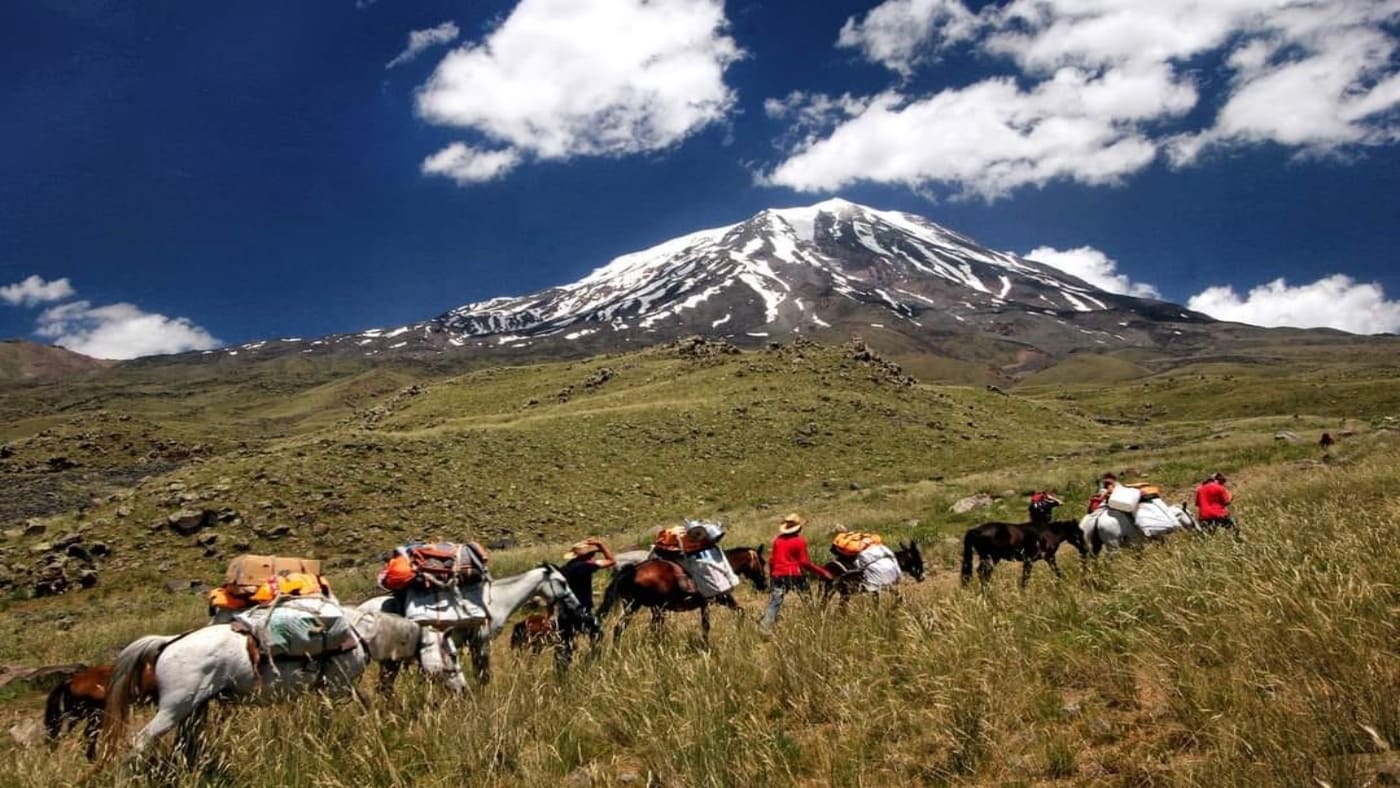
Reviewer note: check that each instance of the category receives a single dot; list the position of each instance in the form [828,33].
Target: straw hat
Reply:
[792,524]
[580,550]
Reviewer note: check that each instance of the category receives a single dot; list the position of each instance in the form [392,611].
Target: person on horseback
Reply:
[1042,507]
[789,560]
[1213,504]
[582,561]
[1100,498]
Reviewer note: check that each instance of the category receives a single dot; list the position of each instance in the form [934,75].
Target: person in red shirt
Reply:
[1213,504]
[787,561]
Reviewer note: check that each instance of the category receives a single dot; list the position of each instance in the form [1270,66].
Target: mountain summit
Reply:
[826,270]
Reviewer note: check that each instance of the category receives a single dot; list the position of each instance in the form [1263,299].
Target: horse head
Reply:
[748,562]
[1068,531]
[555,588]
[911,561]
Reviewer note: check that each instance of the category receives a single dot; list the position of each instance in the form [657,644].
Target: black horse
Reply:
[846,579]
[1024,542]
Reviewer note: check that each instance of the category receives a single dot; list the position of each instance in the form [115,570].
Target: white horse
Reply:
[217,661]
[1110,528]
[1113,529]
[629,558]
[503,597]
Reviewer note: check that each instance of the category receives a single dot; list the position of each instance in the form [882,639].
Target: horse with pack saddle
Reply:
[291,645]
[1132,514]
[684,570]
[863,563]
[303,641]
[447,588]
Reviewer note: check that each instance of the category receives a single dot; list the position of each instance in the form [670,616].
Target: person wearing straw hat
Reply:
[787,562]
[581,562]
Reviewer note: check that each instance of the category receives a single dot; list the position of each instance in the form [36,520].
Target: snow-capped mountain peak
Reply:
[833,267]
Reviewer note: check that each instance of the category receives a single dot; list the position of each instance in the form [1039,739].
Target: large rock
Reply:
[27,733]
[971,502]
[188,522]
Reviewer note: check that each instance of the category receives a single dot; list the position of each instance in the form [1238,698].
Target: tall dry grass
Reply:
[1204,661]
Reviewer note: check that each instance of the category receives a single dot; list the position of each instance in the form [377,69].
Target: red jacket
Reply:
[790,557]
[1212,501]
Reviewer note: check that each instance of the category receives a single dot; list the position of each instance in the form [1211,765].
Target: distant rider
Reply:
[1042,507]
[1100,498]
[789,559]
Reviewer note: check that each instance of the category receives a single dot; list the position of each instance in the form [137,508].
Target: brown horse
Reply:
[535,632]
[80,699]
[659,585]
[1027,543]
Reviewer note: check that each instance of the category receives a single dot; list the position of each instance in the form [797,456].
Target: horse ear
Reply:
[761,549]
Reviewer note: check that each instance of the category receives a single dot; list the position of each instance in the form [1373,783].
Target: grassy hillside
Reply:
[1203,661]
[22,361]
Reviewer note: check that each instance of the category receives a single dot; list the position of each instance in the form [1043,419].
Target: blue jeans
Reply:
[778,589]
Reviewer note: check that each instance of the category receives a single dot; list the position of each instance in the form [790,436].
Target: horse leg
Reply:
[628,608]
[1054,567]
[705,623]
[481,654]
[91,716]
[1026,570]
[984,568]
[388,673]
[189,734]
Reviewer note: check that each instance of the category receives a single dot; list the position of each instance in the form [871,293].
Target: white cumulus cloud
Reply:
[994,136]
[1315,76]
[466,164]
[34,290]
[564,78]
[420,41]
[899,33]
[1336,301]
[120,331]
[1094,267]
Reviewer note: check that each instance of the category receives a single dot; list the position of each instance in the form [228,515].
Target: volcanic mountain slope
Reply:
[30,361]
[832,269]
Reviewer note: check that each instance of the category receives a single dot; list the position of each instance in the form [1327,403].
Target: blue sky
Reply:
[220,173]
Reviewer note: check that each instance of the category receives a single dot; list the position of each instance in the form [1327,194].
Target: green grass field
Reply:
[1268,660]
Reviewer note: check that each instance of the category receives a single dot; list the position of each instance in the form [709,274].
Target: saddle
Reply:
[683,578]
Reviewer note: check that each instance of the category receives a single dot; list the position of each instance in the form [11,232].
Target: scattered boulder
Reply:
[881,369]
[1285,435]
[58,464]
[971,502]
[34,528]
[701,347]
[504,543]
[188,522]
[27,733]
[603,375]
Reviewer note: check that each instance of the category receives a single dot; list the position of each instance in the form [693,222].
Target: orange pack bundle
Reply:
[442,565]
[853,543]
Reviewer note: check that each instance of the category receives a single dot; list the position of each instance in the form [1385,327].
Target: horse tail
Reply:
[614,591]
[967,555]
[125,687]
[56,710]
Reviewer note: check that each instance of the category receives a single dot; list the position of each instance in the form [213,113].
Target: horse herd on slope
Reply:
[182,674]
